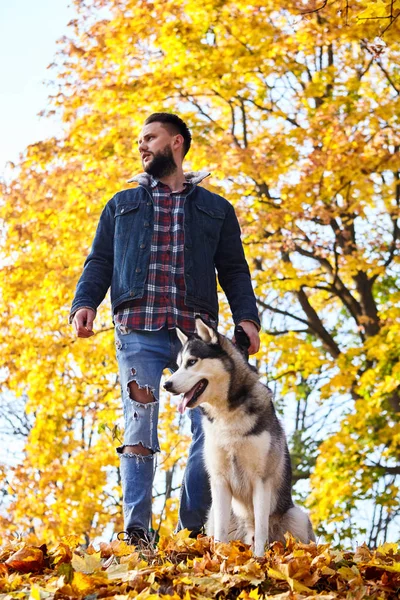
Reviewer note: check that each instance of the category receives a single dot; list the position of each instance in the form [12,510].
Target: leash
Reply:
[242,341]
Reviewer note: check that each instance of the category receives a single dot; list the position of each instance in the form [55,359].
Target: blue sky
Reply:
[29,30]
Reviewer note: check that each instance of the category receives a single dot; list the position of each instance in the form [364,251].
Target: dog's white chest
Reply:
[237,459]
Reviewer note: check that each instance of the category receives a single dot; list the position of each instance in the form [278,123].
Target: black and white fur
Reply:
[245,451]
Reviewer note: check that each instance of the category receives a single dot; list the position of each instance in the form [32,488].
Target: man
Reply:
[158,247]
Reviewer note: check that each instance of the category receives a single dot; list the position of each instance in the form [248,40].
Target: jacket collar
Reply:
[193,177]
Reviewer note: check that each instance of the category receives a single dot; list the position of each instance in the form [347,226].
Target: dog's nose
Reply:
[168,386]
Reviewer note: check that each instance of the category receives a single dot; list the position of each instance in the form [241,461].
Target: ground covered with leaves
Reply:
[184,568]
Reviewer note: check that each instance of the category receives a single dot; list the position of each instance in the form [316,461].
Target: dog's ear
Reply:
[183,338]
[205,332]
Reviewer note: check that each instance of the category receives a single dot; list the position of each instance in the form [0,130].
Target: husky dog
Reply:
[245,449]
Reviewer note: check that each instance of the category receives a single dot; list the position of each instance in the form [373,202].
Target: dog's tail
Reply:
[295,521]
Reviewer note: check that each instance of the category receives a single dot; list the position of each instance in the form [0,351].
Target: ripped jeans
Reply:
[142,356]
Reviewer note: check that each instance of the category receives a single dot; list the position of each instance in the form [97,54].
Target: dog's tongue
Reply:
[186,398]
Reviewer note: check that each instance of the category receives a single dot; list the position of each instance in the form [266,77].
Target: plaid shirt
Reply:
[163,302]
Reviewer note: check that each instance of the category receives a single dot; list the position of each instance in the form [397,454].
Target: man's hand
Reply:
[83,322]
[252,332]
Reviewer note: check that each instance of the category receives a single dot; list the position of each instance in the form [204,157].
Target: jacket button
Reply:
[132,293]
[138,270]
[146,224]
[149,203]
[143,246]
[122,210]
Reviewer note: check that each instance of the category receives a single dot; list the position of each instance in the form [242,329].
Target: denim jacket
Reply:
[120,253]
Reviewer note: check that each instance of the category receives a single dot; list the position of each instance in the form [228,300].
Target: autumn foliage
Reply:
[199,569]
[296,116]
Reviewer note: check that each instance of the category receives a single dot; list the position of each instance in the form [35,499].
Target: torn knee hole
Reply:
[138,393]
[137,449]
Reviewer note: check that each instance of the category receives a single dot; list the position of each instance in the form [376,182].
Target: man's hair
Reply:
[174,125]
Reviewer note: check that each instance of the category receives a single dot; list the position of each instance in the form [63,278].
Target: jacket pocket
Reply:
[211,220]
[124,216]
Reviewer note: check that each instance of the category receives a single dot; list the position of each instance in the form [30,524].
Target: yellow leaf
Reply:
[388,548]
[374,10]
[294,584]
[35,592]
[87,563]
[394,568]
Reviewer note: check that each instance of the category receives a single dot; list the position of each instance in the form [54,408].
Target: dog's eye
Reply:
[191,362]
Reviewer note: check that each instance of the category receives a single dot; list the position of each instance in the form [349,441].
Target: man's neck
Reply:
[175,181]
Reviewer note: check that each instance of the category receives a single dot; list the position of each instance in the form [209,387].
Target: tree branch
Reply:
[271,111]
[284,331]
[244,122]
[346,240]
[337,286]
[315,10]
[389,79]
[281,312]
[387,470]
[316,324]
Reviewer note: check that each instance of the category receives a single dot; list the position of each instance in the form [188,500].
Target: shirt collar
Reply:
[153,181]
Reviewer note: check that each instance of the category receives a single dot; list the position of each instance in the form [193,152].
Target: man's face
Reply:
[155,147]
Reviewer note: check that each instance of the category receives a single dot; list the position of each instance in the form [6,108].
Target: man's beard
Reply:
[162,164]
